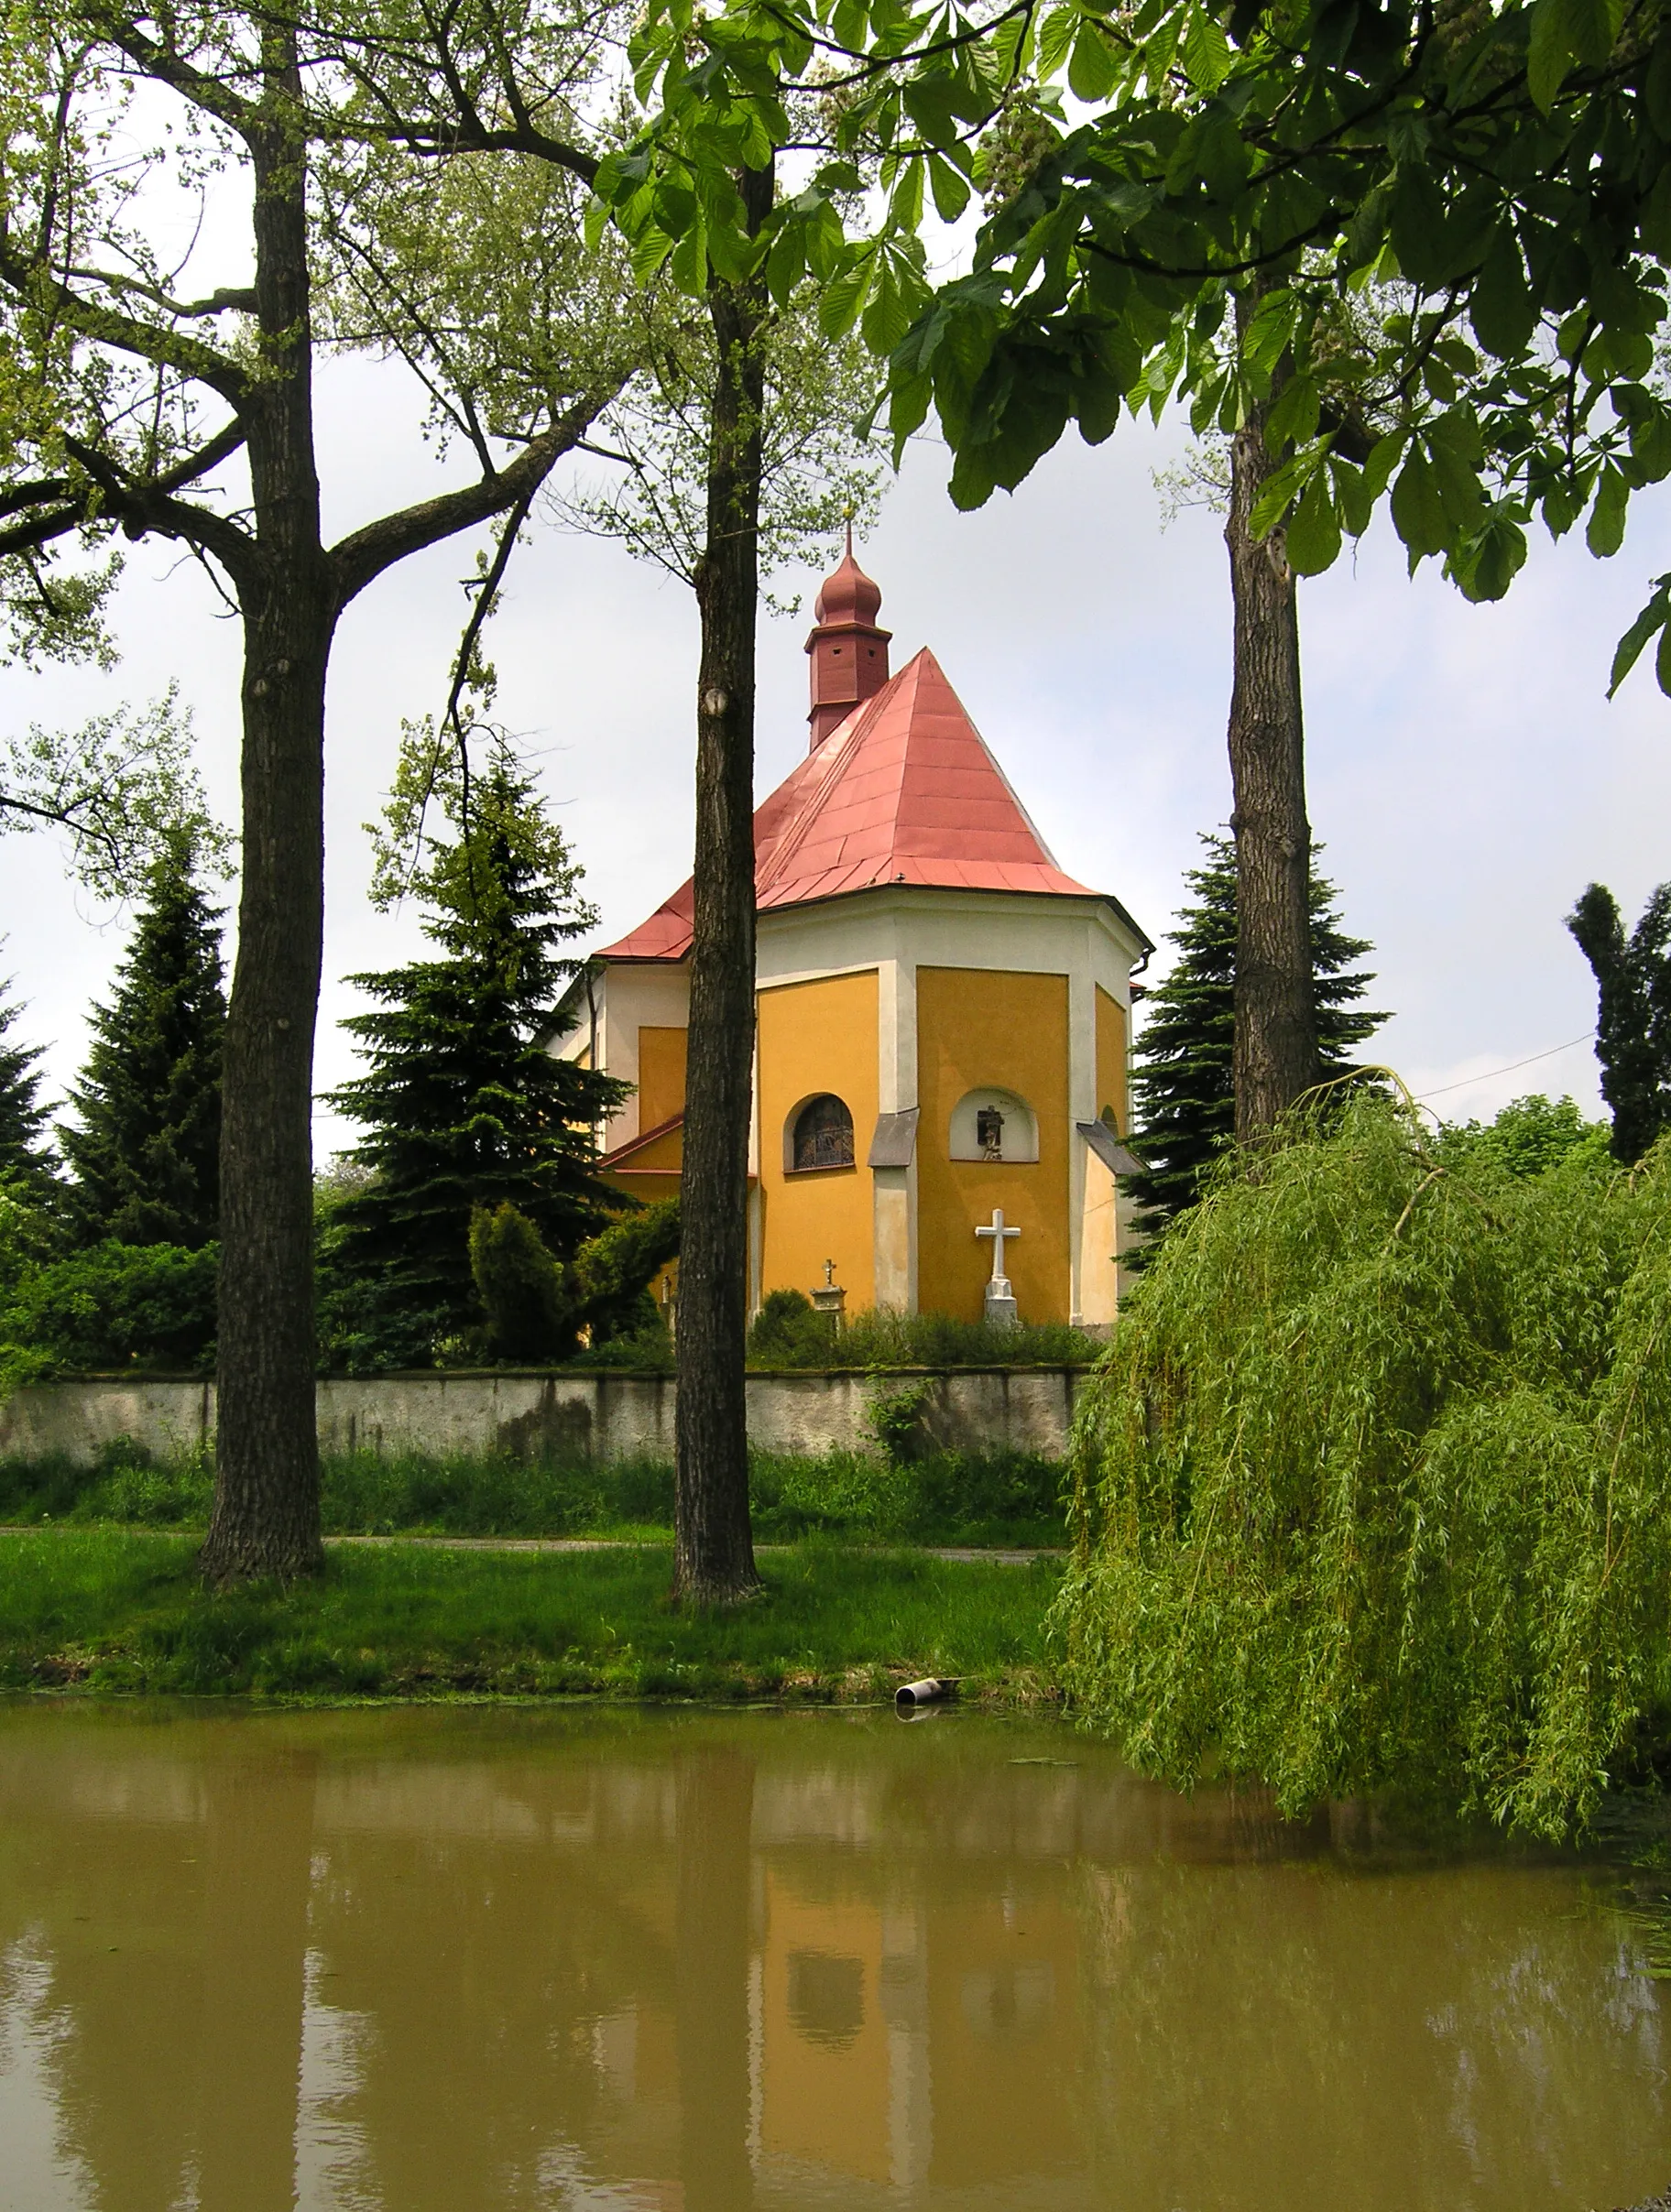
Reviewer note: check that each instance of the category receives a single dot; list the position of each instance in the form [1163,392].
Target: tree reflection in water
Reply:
[403,1961]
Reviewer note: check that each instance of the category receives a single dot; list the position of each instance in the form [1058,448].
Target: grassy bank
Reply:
[946,1499]
[122,1610]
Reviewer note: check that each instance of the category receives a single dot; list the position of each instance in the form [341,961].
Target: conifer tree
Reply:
[24,1164]
[463,1103]
[1634,1013]
[1183,1082]
[144,1149]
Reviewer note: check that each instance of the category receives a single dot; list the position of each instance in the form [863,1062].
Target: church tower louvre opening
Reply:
[850,653]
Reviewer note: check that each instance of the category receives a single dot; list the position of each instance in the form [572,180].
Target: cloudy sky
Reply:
[1467,773]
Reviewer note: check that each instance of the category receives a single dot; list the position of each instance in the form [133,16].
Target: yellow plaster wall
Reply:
[1003,2008]
[821,2100]
[979,1028]
[661,1075]
[819,1036]
[1112,1058]
[649,1185]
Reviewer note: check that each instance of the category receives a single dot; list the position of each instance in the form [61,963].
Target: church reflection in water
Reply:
[409,1960]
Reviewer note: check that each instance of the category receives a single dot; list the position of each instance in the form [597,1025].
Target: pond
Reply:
[430,1959]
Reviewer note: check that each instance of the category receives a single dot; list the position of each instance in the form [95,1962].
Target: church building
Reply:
[943,1017]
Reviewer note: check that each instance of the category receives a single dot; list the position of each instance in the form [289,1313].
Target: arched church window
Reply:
[822,1135]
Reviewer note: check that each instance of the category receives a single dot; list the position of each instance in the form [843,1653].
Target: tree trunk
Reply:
[715,1829]
[1276,1029]
[266,1515]
[713,1545]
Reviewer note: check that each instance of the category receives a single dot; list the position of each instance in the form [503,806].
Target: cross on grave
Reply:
[1000,1299]
[830,1298]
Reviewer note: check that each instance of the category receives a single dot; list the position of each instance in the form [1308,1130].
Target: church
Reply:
[943,1018]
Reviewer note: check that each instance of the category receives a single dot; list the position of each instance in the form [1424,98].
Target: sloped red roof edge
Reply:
[638,1143]
[842,861]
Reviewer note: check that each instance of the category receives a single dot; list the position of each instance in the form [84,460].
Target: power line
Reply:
[1491,1073]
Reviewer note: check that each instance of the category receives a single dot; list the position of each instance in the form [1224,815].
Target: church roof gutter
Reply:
[960,890]
[943,890]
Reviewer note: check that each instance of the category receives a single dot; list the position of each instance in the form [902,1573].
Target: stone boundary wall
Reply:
[544,1413]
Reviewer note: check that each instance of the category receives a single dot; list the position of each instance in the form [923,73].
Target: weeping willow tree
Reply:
[1373,1486]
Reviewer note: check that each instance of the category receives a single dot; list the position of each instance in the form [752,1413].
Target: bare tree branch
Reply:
[363,556]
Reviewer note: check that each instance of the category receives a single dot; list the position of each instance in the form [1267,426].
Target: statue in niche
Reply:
[989,1132]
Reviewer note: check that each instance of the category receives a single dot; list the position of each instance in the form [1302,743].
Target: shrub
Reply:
[536,1306]
[787,1333]
[1372,1486]
[114,1305]
[893,1419]
[516,1280]
[607,1282]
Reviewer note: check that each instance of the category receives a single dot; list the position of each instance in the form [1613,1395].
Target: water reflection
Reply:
[414,1959]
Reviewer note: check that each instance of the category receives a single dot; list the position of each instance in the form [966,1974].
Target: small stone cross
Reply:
[829,1272]
[999,1232]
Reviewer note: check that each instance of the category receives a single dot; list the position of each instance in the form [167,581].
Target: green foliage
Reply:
[893,1419]
[1506,165]
[30,1232]
[1370,1489]
[537,1307]
[790,1332]
[464,1103]
[821,460]
[607,1283]
[123,789]
[938,1498]
[146,1154]
[880,1338]
[26,1165]
[1528,1136]
[516,1280]
[647,1349]
[1634,1016]
[112,1306]
[120,1611]
[1184,1094]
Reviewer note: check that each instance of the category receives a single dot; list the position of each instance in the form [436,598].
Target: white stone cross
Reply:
[999,1232]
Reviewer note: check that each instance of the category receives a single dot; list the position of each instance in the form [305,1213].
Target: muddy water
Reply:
[432,1960]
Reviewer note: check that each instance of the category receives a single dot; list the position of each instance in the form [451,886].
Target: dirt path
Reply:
[966,1554]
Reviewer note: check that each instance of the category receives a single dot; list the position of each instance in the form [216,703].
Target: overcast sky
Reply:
[1467,773]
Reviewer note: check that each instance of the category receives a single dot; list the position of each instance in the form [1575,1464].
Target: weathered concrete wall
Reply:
[539,1415]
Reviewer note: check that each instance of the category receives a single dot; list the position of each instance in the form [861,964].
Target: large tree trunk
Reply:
[713,1546]
[715,1829]
[1276,1027]
[266,1514]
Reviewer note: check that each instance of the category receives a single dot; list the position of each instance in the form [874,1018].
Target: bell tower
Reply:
[850,653]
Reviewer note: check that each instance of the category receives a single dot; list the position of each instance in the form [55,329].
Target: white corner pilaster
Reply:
[894,1189]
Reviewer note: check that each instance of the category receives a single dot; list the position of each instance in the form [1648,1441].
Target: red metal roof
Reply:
[904,790]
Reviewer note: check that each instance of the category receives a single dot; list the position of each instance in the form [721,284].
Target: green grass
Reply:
[946,1497]
[123,1610]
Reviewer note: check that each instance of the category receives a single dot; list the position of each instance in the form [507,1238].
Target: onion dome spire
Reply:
[848,652]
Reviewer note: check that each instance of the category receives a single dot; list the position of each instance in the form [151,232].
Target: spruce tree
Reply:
[463,1103]
[145,1147]
[1183,1095]
[26,1166]
[1632,1015]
